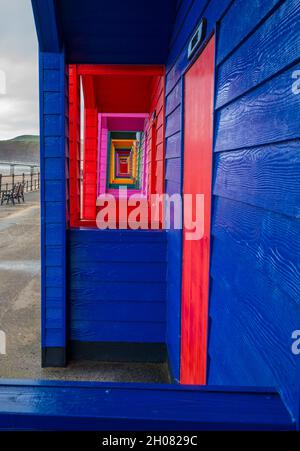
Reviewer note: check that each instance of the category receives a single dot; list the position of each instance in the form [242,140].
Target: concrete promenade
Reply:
[20,307]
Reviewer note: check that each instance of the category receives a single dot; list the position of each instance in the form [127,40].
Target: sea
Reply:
[19,170]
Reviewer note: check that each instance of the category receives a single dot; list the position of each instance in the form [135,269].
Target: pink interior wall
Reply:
[116,122]
[102,153]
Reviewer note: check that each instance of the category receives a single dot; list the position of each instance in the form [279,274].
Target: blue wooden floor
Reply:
[45,405]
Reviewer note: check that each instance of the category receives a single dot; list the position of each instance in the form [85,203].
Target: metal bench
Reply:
[16,193]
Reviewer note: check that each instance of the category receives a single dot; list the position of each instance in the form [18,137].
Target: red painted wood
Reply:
[155,144]
[74,146]
[120,69]
[198,136]
[114,89]
[90,164]
[122,94]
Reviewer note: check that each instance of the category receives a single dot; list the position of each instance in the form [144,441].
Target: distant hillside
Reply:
[23,148]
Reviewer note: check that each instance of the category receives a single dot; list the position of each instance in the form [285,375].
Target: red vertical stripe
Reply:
[90,164]
[198,136]
[74,145]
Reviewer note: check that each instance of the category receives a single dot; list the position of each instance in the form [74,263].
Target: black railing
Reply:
[31,181]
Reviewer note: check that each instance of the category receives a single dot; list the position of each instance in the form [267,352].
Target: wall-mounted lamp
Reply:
[197,38]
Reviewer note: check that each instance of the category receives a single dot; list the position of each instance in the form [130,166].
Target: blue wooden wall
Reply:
[254,300]
[189,13]
[117,289]
[53,119]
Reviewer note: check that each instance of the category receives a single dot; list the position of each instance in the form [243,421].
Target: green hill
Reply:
[23,148]
[26,138]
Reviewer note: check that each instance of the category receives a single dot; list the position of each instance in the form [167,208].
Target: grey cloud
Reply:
[18,60]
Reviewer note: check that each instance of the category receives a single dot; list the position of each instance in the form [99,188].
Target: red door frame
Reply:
[198,148]
[91,124]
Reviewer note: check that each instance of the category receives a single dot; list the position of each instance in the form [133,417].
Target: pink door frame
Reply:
[116,122]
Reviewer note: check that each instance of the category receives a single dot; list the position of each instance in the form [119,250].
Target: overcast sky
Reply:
[19,64]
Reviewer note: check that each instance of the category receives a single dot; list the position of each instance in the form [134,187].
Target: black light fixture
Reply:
[197,38]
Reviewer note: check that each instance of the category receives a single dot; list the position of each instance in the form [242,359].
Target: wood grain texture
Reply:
[274,46]
[265,177]
[265,239]
[261,318]
[27,405]
[233,30]
[268,114]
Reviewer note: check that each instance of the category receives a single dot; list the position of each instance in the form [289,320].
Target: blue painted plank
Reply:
[263,238]
[173,122]
[173,187]
[115,236]
[119,272]
[54,168]
[249,366]
[55,191]
[52,102]
[52,146]
[264,319]
[114,331]
[185,29]
[53,124]
[54,316]
[51,80]
[176,65]
[51,61]
[116,291]
[173,170]
[233,30]
[54,294]
[174,301]
[183,7]
[274,46]
[117,311]
[48,31]
[269,114]
[55,212]
[53,207]
[54,234]
[266,177]
[93,406]
[54,336]
[119,252]
[54,277]
[54,255]
[174,98]
[173,146]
